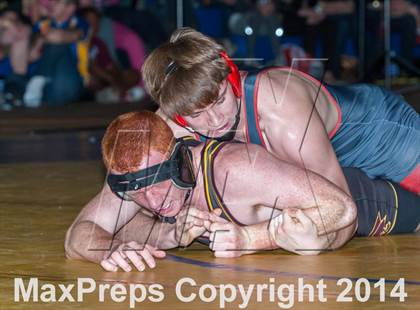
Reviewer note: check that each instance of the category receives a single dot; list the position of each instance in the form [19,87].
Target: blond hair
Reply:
[194,76]
[131,137]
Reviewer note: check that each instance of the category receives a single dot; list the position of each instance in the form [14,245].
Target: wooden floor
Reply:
[38,201]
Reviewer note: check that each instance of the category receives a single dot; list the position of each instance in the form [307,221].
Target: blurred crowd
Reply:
[54,52]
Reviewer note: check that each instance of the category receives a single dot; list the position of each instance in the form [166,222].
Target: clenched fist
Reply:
[294,231]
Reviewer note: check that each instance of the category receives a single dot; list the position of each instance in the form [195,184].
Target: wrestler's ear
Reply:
[179,120]
[234,77]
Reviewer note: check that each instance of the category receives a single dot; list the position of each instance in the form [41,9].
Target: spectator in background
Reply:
[64,58]
[126,48]
[255,33]
[144,22]
[15,37]
[334,19]
[405,19]
[109,81]
[293,23]
[98,3]
[212,17]
[35,10]
[166,12]
[11,5]
[264,26]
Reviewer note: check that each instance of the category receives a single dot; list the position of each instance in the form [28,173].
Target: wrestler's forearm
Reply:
[328,219]
[259,238]
[149,230]
[262,238]
[88,241]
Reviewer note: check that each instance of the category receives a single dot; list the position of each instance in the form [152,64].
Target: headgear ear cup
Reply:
[234,79]
[179,120]
[234,76]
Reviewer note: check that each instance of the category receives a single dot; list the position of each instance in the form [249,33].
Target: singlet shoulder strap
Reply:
[250,97]
[189,140]
[213,198]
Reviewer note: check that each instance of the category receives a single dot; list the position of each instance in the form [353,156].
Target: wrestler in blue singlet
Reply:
[379,132]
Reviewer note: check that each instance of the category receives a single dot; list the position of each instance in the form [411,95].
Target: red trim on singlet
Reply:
[244,105]
[323,88]
[257,83]
[412,181]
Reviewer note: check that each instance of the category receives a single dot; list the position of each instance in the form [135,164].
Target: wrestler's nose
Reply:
[154,200]
[215,119]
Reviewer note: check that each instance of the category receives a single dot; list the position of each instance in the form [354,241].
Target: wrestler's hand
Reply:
[191,223]
[294,231]
[132,253]
[228,239]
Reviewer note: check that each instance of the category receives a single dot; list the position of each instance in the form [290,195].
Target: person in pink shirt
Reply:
[105,69]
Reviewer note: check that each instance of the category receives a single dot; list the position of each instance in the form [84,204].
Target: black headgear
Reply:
[178,168]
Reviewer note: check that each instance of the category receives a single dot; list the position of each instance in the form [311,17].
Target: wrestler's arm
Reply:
[295,131]
[96,228]
[295,237]
[266,180]
[329,207]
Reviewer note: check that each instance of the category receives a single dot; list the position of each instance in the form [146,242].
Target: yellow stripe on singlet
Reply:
[388,227]
[208,158]
[217,196]
[396,207]
[206,185]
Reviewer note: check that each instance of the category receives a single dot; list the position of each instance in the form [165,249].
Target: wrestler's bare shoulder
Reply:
[284,89]
[285,94]
[240,161]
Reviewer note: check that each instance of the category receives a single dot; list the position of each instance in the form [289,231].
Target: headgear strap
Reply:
[171,68]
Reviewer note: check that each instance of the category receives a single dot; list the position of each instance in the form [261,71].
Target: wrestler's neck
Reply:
[240,134]
[241,131]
